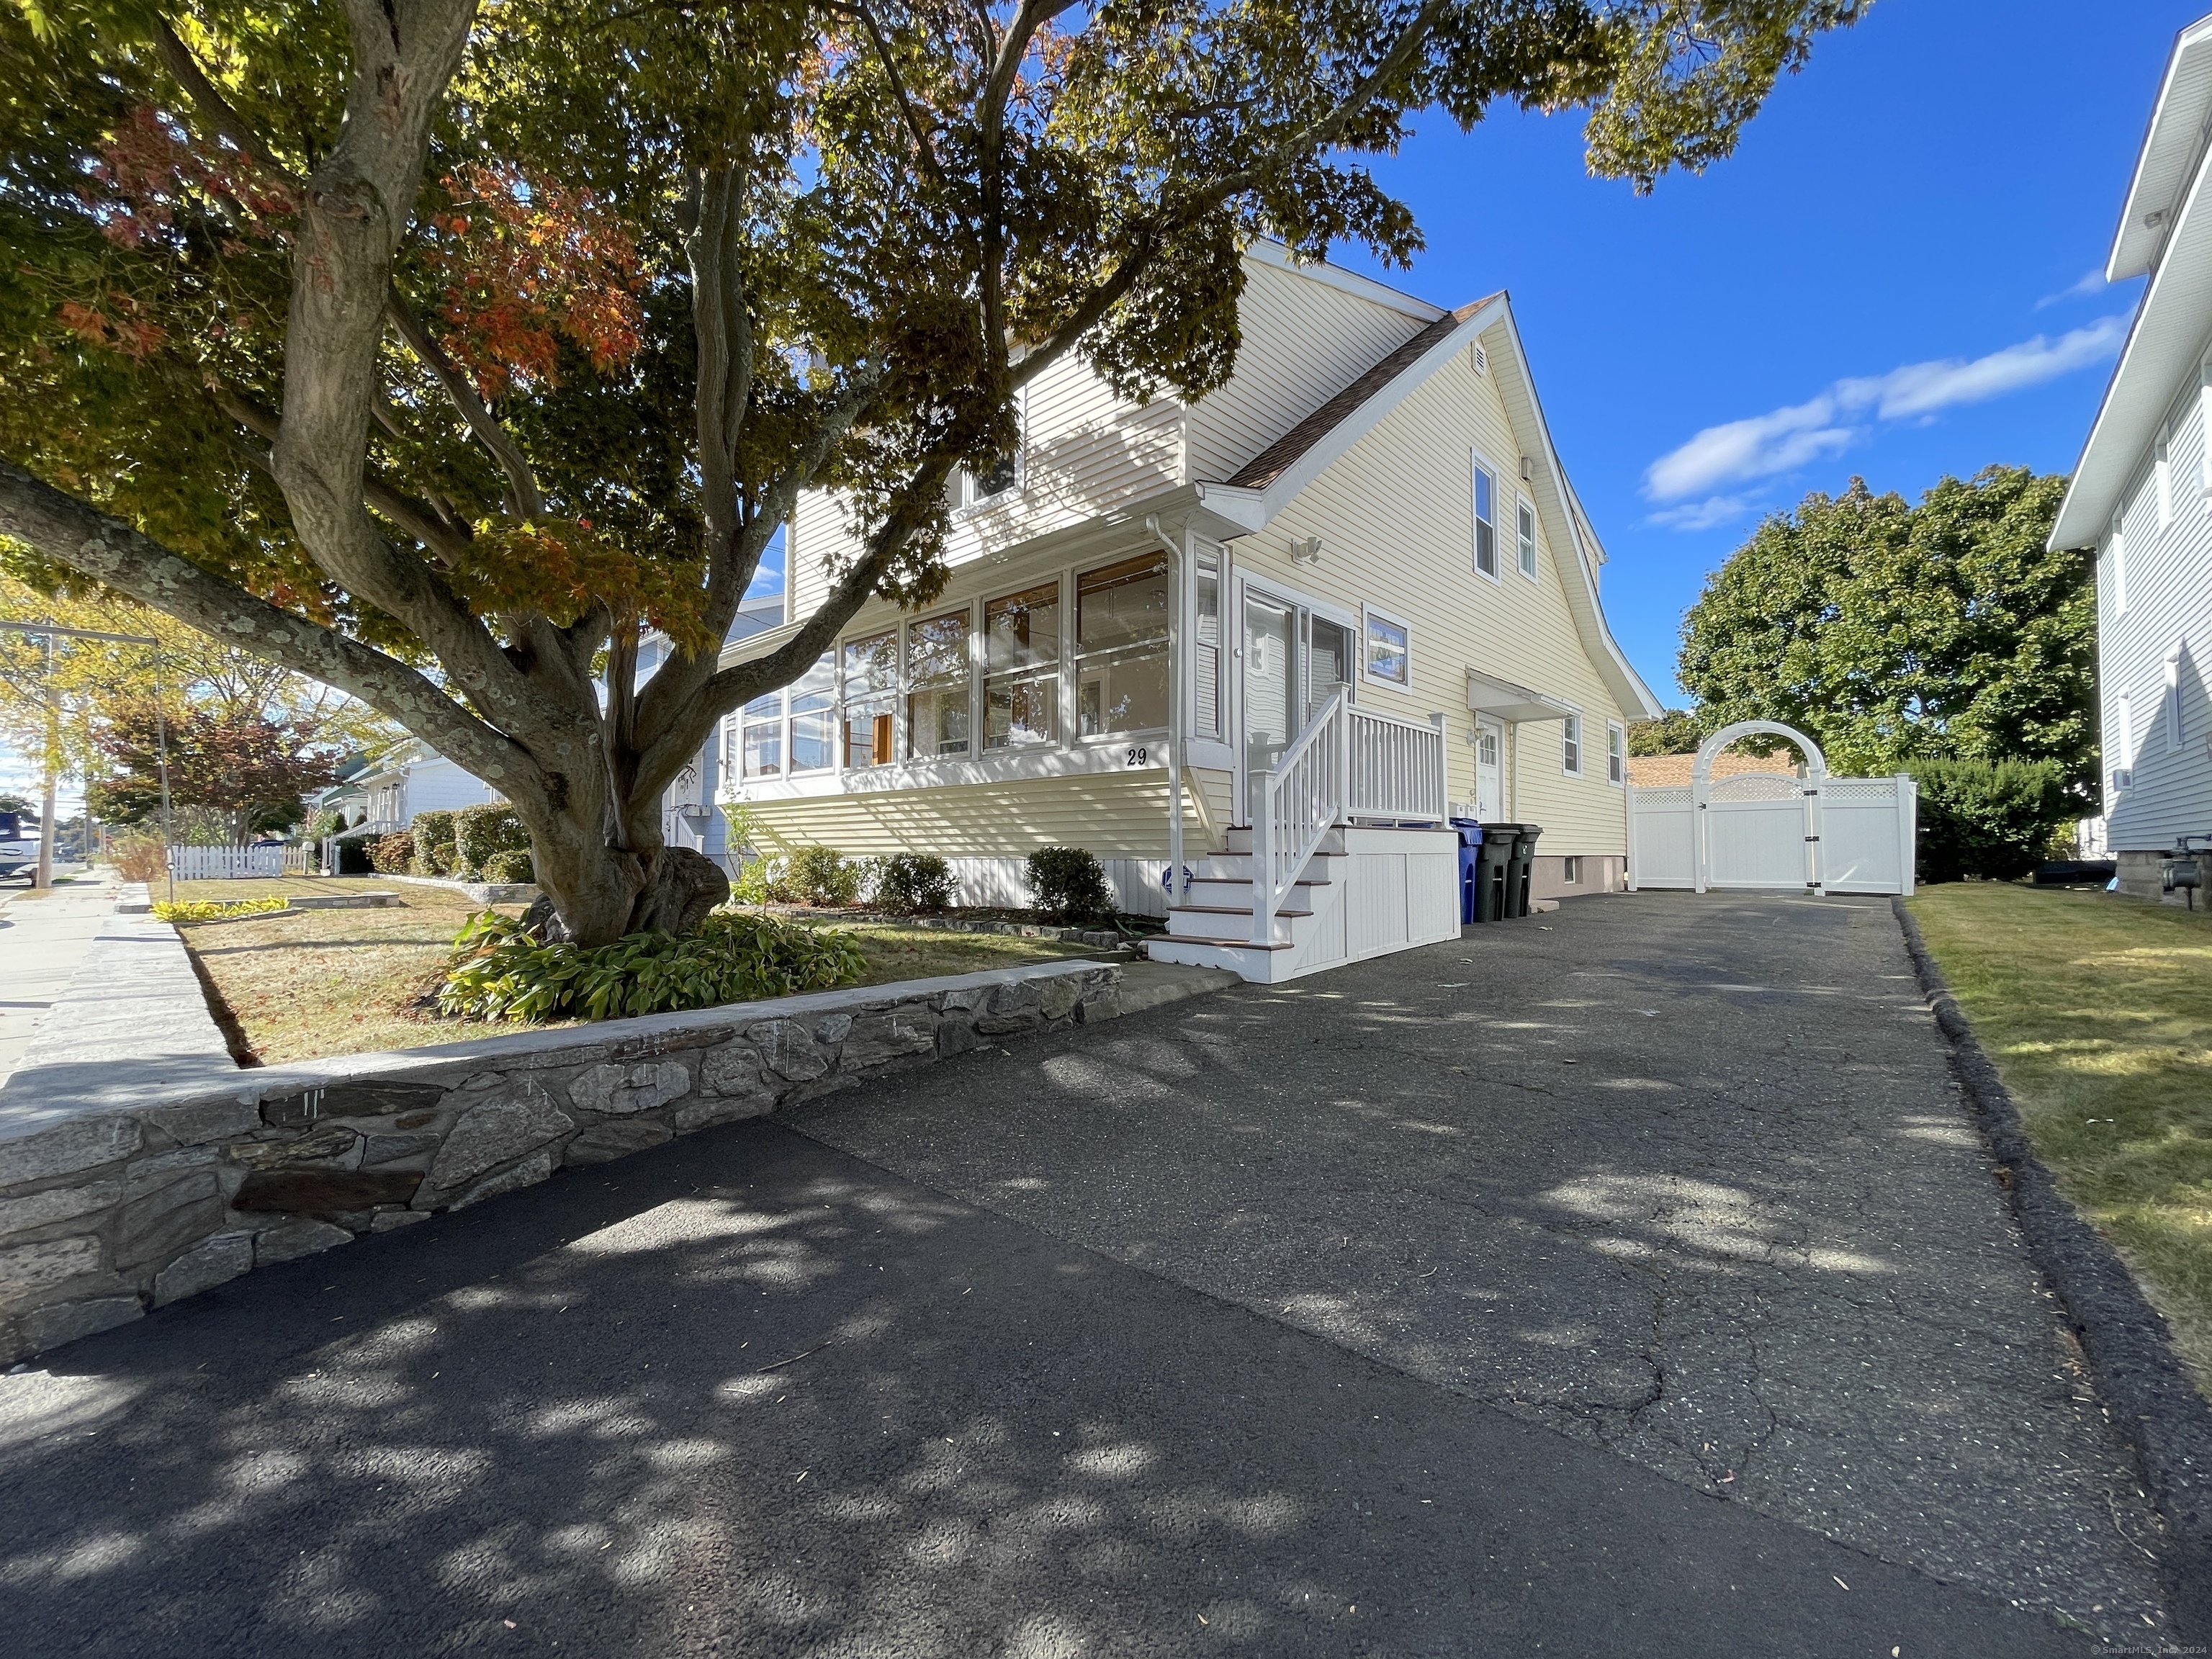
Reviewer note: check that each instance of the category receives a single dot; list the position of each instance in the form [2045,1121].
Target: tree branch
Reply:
[65,529]
[525,500]
[1146,239]
[217,110]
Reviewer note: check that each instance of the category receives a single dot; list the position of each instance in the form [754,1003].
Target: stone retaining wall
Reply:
[113,1204]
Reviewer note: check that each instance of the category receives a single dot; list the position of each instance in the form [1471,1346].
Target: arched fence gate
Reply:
[1769,831]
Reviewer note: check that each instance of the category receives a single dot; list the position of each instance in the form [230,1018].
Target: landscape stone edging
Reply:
[483,892]
[2130,1355]
[108,1211]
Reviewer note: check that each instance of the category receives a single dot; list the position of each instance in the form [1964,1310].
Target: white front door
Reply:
[1489,770]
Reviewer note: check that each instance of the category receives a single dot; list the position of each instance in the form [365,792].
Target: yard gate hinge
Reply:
[1812,838]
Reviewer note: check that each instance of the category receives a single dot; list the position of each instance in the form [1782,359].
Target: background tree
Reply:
[248,773]
[1893,632]
[433,351]
[1677,731]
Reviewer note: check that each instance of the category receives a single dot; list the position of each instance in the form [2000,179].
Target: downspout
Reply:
[1176,887]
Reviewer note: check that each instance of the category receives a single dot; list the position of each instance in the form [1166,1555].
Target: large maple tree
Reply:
[434,349]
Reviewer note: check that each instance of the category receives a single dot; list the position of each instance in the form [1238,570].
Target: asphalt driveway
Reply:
[1425,1308]
[1684,1177]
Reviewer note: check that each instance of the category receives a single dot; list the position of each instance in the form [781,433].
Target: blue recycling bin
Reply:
[1470,862]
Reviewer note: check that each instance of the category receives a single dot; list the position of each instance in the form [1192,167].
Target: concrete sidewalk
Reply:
[43,936]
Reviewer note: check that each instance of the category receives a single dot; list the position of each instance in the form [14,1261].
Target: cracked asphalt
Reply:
[1685,1178]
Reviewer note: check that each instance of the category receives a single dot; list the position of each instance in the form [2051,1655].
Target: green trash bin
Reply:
[1493,873]
[1524,859]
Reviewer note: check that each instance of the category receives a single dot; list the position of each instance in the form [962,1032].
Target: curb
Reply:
[2152,1403]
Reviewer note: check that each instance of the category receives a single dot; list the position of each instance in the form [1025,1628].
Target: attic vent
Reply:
[1480,360]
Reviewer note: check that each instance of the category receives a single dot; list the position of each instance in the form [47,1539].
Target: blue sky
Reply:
[1927,195]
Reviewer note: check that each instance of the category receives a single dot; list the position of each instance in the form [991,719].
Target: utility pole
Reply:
[52,631]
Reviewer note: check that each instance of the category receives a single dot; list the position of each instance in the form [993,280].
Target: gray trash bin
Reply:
[1524,859]
[1493,873]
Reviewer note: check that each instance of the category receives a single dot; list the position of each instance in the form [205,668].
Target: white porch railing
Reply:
[1349,762]
[1397,768]
[1294,808]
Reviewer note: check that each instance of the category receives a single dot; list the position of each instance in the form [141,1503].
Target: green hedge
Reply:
[480,833]
[1990,820]
[500,971]
[434,843]
[914,883]
[1070,884]
[392,854]
[510,867]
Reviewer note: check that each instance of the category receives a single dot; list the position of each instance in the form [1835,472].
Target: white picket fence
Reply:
[224,863]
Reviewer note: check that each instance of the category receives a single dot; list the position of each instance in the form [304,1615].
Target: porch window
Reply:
[1485,519]
[1616,754]
[1021,668]
[1570,755]
[1390,659]
[1206,648]
[871,669]
[937,668]
[1121,646]
[760,739]
[813,743]
[1526,524]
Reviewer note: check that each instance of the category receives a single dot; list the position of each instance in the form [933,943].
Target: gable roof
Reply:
[1277,459]
[1265,485]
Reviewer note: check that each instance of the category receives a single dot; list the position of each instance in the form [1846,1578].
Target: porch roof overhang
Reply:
[1503,700]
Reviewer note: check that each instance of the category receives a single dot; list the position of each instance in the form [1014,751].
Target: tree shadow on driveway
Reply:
[748,1394]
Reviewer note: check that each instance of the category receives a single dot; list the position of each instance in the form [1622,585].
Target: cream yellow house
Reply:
[1347,595]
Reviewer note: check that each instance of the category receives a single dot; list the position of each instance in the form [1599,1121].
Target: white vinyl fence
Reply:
[1768,830]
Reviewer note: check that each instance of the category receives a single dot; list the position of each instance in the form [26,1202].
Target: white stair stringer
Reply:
[1364,893]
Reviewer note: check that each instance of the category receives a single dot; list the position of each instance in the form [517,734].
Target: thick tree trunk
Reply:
[595,891]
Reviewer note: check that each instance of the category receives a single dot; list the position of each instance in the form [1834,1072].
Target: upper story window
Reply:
[871,675]
[1485,519]
[2116,550]
[1121,646]
[1616,754]
[1389,651]
[937,664]
[1021,668]
[1571,746]
[1525,524]
[1003,478]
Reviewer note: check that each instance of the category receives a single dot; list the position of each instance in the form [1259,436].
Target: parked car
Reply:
[19,856]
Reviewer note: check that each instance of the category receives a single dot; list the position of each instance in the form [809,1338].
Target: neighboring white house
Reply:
[688,816]
[2142,491]
[1357,569]
[411,780]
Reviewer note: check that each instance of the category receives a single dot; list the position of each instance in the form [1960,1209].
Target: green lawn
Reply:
[306,984]
[2096,1010]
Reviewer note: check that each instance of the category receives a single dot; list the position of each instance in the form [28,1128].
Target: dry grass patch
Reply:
[307,984]
[2096,1010]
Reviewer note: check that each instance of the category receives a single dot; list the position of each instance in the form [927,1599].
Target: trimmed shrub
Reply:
[914,883]
[434,843]
[1988,819]
[510,866]
[820,875]
[1070,886]
[502,971]
[481,831]
[393,854]
[212,910]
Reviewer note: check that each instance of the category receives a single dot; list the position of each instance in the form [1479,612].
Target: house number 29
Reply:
[1137,757]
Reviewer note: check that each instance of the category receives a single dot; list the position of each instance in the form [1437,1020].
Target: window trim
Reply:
[1370,614]
[2169,699]
[2161,468]
[1616,754]
[1529,557]
[1570,745]
[1480,469]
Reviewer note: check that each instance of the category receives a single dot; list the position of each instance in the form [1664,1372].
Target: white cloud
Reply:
[1784,440]
[2091,281]
[1708,514]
